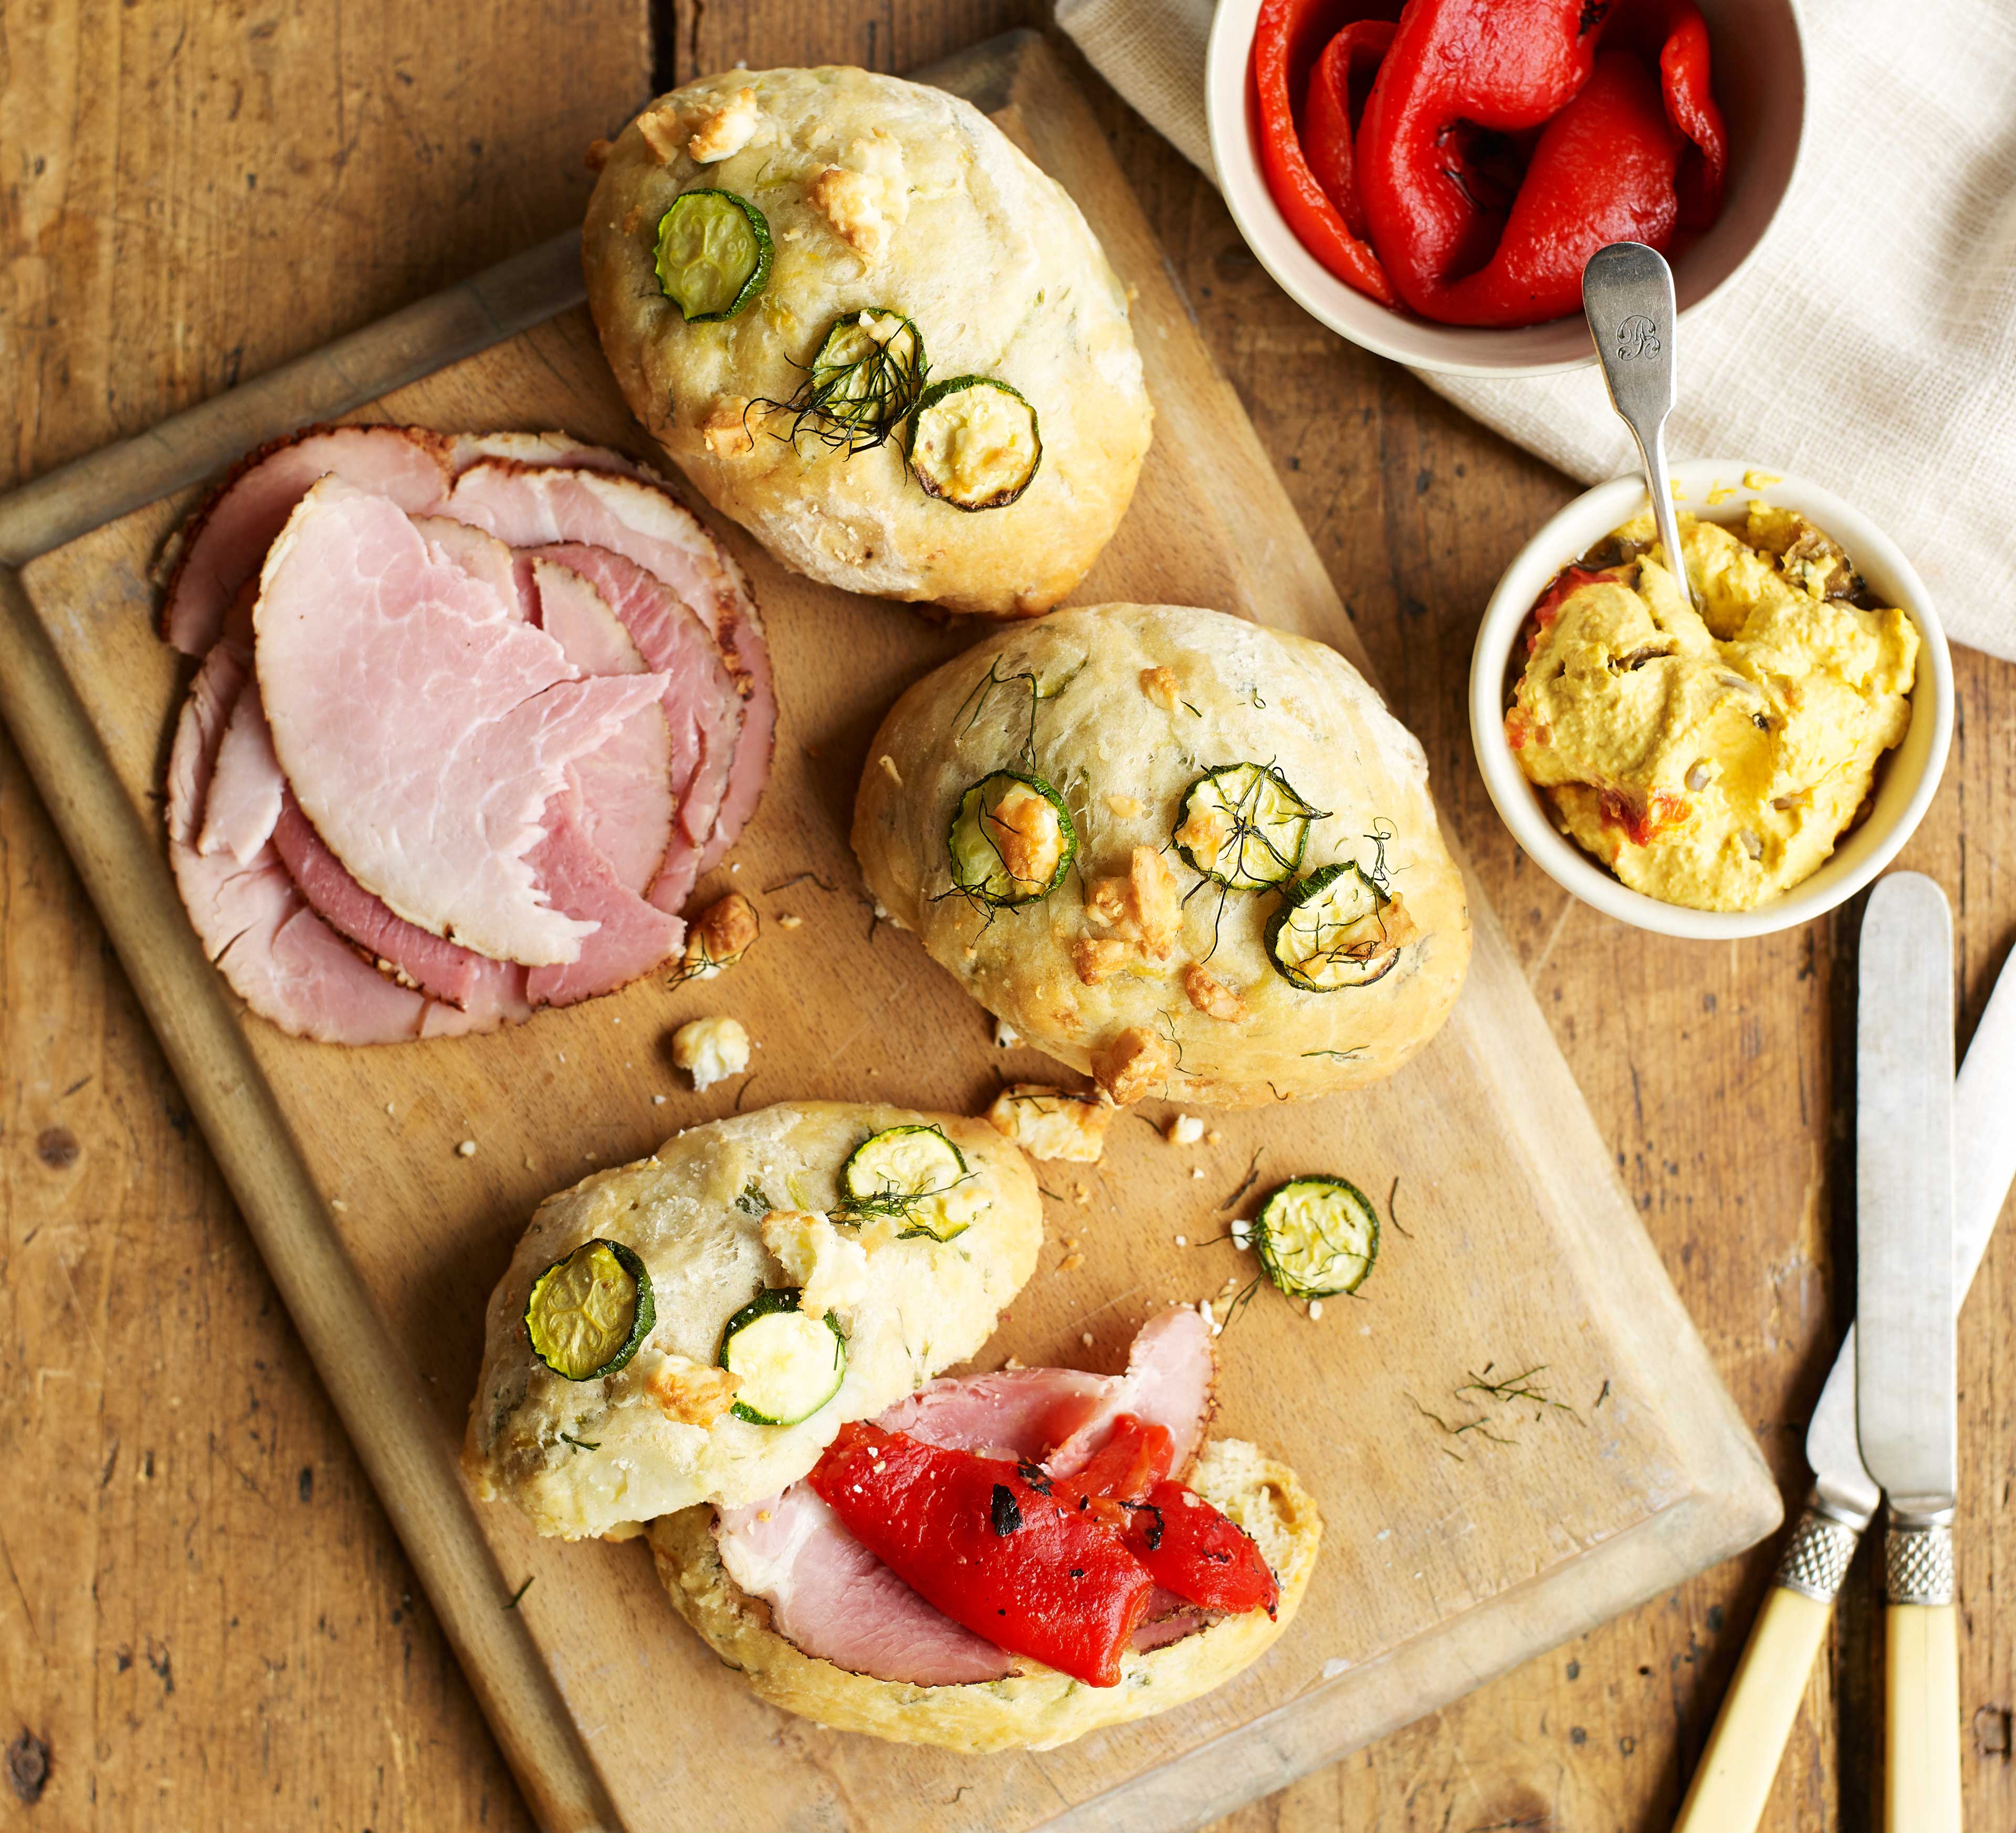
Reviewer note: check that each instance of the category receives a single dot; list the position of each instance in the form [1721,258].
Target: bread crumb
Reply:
[597,155]
[1071,1263]
[788,921]
[466,1149]
[1182,1241]
[1184,1129]
[657,1100]
[338,1205]
[1085,1338]
[710,1050]
[722,934]
[1214,1138]
[887,766]
[1050,1123]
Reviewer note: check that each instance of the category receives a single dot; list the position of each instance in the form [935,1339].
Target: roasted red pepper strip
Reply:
[1349,61]
[988,1544]
[1192,1550]
[1601,171]
[1285,45]
[1134,1459]
[1672,34]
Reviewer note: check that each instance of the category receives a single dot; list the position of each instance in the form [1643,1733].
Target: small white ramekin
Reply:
[1714,489]
[1758,73]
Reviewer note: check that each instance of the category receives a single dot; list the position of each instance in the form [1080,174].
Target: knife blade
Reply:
[1906,1357]
[1733,1780]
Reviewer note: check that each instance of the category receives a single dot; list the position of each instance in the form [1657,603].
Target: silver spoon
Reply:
[1627,296]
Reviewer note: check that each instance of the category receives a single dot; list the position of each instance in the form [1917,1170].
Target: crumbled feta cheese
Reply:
[722,934]
[466,1149]
[851,202]
[1184,1129]
[830,1270]
[1006,1036]
[726,131]
[690,1392]
[710,1050]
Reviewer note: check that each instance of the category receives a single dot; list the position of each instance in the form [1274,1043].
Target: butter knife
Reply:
[1907,1355]
[1733,1779]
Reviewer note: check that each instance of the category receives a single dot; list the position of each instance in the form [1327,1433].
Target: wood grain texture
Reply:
[308,1685]
[1633,1473]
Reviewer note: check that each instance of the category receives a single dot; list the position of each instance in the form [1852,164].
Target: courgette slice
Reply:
[975,442]
[1007,820]
[1243,825]
[867,375]
[912,1174]
[588,1312]
[1335,928]
[714,254]
[791,1365]
[1316,1236]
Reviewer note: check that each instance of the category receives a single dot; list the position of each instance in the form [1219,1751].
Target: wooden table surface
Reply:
[204,1619]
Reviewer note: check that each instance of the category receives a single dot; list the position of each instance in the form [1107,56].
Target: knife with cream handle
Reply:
[1907,1355]
[1733,1779]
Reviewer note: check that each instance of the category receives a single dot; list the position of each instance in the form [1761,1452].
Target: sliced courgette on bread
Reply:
[1012,841]
[1336,928]
[714,254]
[588,1312]
[790,1364]
[974,442]
[914,1175]
[1243,825]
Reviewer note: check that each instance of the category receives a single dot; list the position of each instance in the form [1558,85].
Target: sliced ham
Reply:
[279,957]
[225,544]
[423,725]
[834,1599]
[246,789]
[536,506]
[831,1597]
[1171,1371]
[703,711]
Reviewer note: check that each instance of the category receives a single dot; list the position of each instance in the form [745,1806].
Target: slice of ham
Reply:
[279,957]
[225,544]
[1172,1369]
[831,1597]
[702,709]
[423,725]
[626,789]
[834,1599]
[539,506]
[247,789]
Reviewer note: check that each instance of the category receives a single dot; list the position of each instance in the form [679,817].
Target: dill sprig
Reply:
[1391,1216]
[1520,1386]
[868,372]
[1246,1183]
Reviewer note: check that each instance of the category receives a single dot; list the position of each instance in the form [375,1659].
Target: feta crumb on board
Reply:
[1184,1129]
[710,1050]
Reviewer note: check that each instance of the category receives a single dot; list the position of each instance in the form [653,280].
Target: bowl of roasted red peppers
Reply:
[1428,179]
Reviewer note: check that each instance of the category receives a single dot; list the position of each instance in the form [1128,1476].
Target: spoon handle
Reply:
[1627,296]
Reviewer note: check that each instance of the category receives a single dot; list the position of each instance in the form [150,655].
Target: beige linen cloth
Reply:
[1871,346]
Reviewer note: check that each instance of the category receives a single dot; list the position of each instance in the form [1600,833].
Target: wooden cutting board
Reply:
[1469,1527]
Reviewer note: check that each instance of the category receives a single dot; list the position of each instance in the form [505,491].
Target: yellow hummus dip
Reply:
[1712,760]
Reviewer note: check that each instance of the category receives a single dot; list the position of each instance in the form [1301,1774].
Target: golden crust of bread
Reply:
[935,214]
[1137,702]
[648,1439]
[1036,1710]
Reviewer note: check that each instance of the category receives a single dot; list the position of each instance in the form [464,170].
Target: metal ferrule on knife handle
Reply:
[1918,1560]
[1817,1557]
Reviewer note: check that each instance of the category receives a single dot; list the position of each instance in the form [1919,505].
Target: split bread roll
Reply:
[1037,1709]
[720,1214]
[873,195]
[1192,856]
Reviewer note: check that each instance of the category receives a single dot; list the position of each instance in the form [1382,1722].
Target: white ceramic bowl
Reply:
[1906,780]
[1758,72]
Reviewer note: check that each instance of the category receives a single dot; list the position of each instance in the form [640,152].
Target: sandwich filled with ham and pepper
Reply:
[984,1562]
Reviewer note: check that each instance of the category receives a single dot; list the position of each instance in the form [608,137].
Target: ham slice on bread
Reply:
[458,745]
[832,1598]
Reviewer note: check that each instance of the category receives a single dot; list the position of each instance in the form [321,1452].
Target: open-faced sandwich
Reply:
[867,328]
[1189,855]
[730,1345]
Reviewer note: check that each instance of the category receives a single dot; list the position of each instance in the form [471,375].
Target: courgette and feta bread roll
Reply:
[697,1327]
[867,328]
[1189,854]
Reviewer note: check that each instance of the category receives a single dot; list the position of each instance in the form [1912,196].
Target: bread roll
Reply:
[875,193]
[1123,755]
